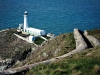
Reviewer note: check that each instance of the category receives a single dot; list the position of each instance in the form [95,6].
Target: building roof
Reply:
[34,29]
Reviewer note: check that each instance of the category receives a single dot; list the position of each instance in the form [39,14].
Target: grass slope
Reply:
[84,63]
[60,45]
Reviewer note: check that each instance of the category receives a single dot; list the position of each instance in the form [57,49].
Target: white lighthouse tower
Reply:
[25,21]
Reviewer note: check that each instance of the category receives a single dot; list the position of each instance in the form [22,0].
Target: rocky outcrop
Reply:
[4,63]
[80,45]
[91,39]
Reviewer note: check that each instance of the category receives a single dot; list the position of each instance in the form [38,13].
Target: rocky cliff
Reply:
[22,53]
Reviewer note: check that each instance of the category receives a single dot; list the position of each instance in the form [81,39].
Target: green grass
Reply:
[78,64]
[38,40]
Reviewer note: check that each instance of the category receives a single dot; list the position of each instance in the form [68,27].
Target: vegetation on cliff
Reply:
[10,45]
[13,47]
[58,46]
[84,63]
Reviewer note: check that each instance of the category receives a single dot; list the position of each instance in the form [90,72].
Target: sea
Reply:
[53,16]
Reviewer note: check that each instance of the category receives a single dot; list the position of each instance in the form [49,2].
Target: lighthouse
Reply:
[25,21]
[30,30]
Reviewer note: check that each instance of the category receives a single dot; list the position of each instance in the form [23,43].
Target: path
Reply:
[25,39]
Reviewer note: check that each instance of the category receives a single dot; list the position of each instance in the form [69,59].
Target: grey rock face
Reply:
[56,51]
[45,55]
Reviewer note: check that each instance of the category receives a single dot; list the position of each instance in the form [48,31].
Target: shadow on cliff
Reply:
[86,40]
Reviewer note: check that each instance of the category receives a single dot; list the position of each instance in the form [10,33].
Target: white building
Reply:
[30,30]
[31,38]
[35,32]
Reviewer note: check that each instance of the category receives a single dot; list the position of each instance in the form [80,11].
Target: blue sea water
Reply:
[54,16]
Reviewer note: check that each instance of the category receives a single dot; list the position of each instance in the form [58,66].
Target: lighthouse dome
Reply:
[25,13]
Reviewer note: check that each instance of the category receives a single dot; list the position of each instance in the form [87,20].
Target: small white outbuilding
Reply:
[31,38]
